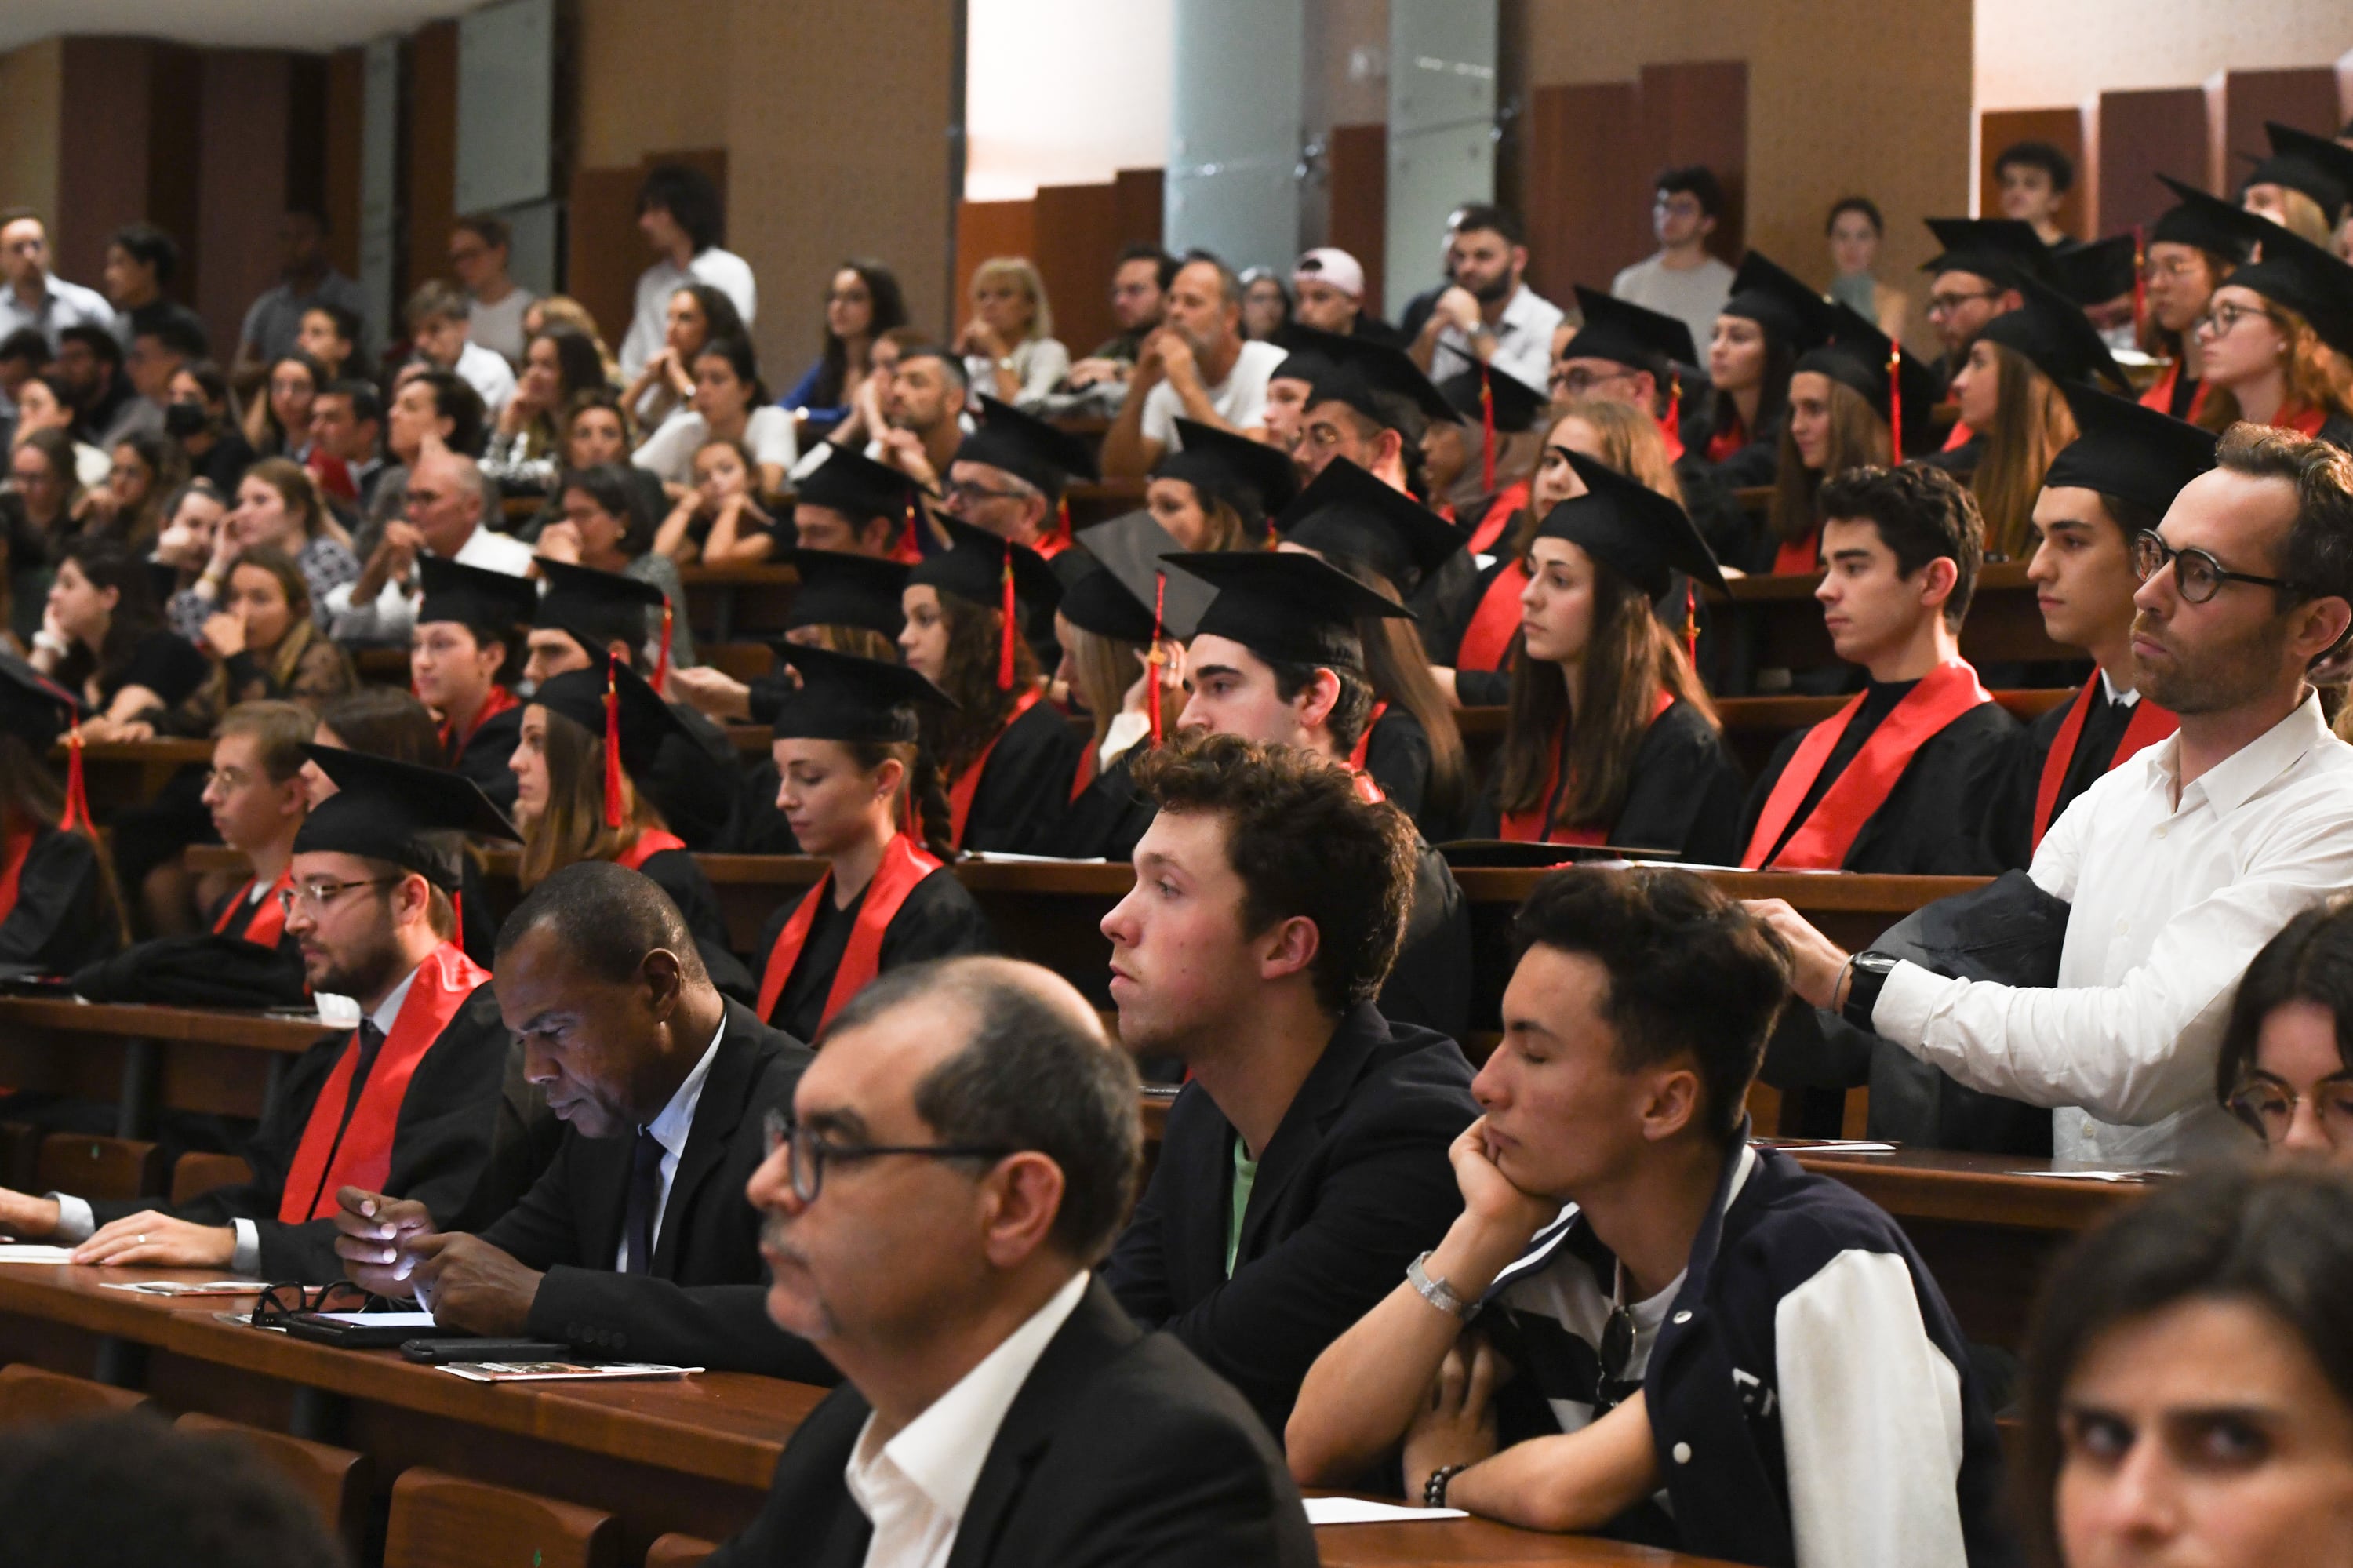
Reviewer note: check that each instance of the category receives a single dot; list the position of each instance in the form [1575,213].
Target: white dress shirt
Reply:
[1523,341]
[914,1487]
[722,269]
[669,1129]
[2169,901]
[391,616]
[61,305]
[488,372]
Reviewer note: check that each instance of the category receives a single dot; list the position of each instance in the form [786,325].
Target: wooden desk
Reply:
[119,774]
[723,603]
[1773,622]
[212,1060]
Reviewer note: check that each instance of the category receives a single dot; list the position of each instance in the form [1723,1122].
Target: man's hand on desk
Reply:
[1816,963]
[151,1239]
[26,1217]
[466,1283]
[373,1233]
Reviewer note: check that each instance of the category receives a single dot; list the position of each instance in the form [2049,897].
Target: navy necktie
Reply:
[645,1203]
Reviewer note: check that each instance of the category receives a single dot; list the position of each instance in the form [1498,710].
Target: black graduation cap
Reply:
[1300,361]
[1253,477]
[644,719]
[837,588]
[33,707]
[2125,448]
[2209,222]
[1019,443]
[2000,249]
[472,597]
[1348,513]
[1359,367]
[1639,534]
[1283,605]
[399,812]
[1774,299]
[1629,334]
[1134,549]
[597,608]
[1099,602]
[1856,357]
[844,697]
[2094,271]
[973,569]
[2308,279]
[2052,332]
[856,486]
[1517,405]
[2303,162]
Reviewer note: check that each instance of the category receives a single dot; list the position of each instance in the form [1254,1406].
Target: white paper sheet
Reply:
[30,1252]
[1363,1511]
[381,1320]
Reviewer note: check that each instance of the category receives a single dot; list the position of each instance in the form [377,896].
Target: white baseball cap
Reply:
[1332,266]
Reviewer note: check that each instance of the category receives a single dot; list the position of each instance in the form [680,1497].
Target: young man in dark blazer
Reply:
[957,1156]
[1305,1163]
[635,1243]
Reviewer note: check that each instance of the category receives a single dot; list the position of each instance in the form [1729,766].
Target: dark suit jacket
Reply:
[1354,1184]
[705,1304]
[1121,1450]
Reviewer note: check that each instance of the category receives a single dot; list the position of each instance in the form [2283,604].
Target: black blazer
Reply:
[1120,1449]
[1354,1183]
[705,1303]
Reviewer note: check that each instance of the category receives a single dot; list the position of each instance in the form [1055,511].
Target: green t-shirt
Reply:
[1245,1175]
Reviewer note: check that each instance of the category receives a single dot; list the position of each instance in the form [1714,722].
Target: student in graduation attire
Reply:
[1007,752]
[1217,490]
[2304,184]
[464,651]
[406,1104]
[1896,779]
[255,798]
[1371,405]
[1507,415]
[58,908]
[1843,414]
[1124,658]
[1973,278]
[1770,319]
[2192,250]
[1008,476]
[2114,484]
[1611,739]
[852,505]
[1276,658]
[2278,341]
[861,794]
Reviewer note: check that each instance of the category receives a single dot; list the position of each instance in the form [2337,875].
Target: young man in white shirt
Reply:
[958,1157]
[1487,315]
[681,215]
[2180,864]
[439,325]
[1194,364]
[1681,280]
[478,248]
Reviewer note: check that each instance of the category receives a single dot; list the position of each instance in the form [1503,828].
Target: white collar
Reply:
[677,1118]
[2110,689]
[387,1012]
[2233,781]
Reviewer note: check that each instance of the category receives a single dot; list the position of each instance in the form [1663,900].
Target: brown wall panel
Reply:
[175,158]
[2240,100]
[2133,138]
[241,193]
[1077,230]
[340,142]
[1140,213]
[1586,201]
[602,254]
[1696,111]
[987,229]
[2062,128]
[432,163]
[1357,163]
[102,158]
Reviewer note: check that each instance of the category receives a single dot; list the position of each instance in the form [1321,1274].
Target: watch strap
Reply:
[1870,973]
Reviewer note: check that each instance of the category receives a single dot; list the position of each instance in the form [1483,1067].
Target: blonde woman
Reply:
[1008,346]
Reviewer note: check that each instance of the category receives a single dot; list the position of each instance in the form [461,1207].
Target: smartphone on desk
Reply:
[441,1352]
[364,1330]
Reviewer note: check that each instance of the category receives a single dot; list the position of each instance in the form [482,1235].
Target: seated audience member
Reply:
[1008,476]
[728,402]
[402,1105]
[595,431]
[1895,780]
[2178,865]
[1288,385]
[2035,178]
[1681,280]
[480,248]
[862,302]
[277,421]
[925,418]
[853,776]
[562,309]
[1140,280]
[427,406]
[1769,320]
[1008,345]
[42,407]
[1330,287]
[268,646]
[852,506]
[1371,405]
[1270,900]
[330,335]
[140,262]
[2282,1068]
[2277,342]
[2192,248]
[684,220]
[604,527]
[1277,659]
[2115,483]
[305,277]
[102,637]
[1611,738]
[464,655]
[347,426]
[1194,364]
[1679,1339]
[1266,304]
[256,797]
[33,296]
[277,508]
[58,908]
[636,1240]
[1006,754]
[1974,278]
[699,314]
[146,469]
[1842,405]
[949,1284]
[106,406]
[1486,314]
[560,366]
[1123,664]
[1217,490]
[44,473]
[2186,1395]
[440,518]
[438,324]
[2302,186]
[24,353]
[154,354]
[193,519]
[718,520]
[202,420]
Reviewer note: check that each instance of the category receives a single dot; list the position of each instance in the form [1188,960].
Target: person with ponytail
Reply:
[1122,658]
[1006,754]
[59,908]
[1843,414]
[864,795]
[1611,739]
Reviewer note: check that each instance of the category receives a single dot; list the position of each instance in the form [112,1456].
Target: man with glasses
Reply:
[409,1103]
[2178,865]
[1639,1325]
[441,504]
[1973,279]
[956,1158]
[255,796]
[30,294]
[1139,289]
[1681,280]
[1008,476]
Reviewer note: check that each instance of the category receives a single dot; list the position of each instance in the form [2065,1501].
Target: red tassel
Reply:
[1156,658]
[2141,284]
[457,916]
[77,815]
[1691,622]
[1671,427]
[1009,633]
[1062,520]
[1487,429]
[1895,402]
[909,551]
[661,660]
[613,803]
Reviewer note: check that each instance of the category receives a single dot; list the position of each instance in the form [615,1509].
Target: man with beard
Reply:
[1195,367]
[1488,316]
[924,405]
[2179,864]
[408,1103]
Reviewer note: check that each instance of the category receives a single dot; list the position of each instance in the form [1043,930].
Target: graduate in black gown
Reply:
[1645,766]
[1769,320]
[1008,753]
[465,651]
[861,794]
[57,904]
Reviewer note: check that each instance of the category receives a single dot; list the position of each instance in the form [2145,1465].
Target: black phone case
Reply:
[439,1352]
[351,1336]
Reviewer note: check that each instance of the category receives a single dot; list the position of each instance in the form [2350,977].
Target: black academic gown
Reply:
[2338,430]
[1120,1448]
[1929,823]
[1730,532]
[938,920]
[1962,460]
[2010,813]
[704,1301]
[679,875]
[1025,785]
[694,779]
[1686,795]
[1430,984]
[483,757]
[1477,688]
[1396,753]
[1108,818]
[441,1143]
[59,921]
[1354,1184]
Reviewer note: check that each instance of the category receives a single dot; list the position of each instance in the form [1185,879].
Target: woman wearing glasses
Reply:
[2283,1070]
[2277,342]
[2192,250]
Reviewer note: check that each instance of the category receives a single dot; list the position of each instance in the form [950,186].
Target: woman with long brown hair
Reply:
[59,908]
[1217,490]
[1119,662]
[102,637]
[263,635]
[1843,406]
[1611,738]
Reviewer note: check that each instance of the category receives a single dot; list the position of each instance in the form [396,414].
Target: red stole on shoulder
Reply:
[960,791]
[1496,622]
[1957,438]
[1498,517]
[498,702]
[647,845]
[1727,442]
[904,864]
[2303,421]
[361,1155]
[1943,694]
[1084,774]
[268,922]
[2149,723]
[1365,741]
[2160,397]
[1368,791]
[1529,826]
[1799,557]
[13,851]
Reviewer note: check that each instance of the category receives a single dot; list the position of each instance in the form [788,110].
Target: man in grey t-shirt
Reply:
[1683,280]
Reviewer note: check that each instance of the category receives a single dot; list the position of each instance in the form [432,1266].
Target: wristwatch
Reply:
[1870,973]
[1437,1292]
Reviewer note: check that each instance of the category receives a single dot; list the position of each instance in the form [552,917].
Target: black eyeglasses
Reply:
[279,1302]
[2197,575]
[317,895]
[809,1153]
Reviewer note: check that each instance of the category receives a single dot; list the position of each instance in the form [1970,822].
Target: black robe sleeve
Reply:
[1025,785]
[2009,830]
[1685,793]
[694,780]
[1730,532]
[1443,603]
[483,758]
[1108,818]
[59,922]
[1431,982]
[940,919]
[677,873]
[1396,753]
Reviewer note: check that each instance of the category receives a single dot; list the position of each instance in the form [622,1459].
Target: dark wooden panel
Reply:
[1586,196]
[2240,100]
[340,171]
[1140,213]
[242,186]
[1077,233]
[2132,137]
[987,229]
[602,254]
[2062,128]
[102,157]
[306,137]
[1356,160]
[1696,111]
[431,140]
[174,156]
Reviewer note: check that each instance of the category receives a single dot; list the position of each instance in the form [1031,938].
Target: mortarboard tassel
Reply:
[457,916]
[1487,426]
[1009,632]
[661,660]
[909,552]
[2141,284]
[1671,427]
[1691,622]
[1156,658]
[1062,519]
[77,815]
[1895,404]
[613,805]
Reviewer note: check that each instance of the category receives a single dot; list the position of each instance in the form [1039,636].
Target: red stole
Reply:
[960,792]
[2149,723]
[1667,428]
[453,743]
[1799,557]
[1727,442]
[1365,741]
[2160,397]
[1368,791]
[1496,622]
[1499,517]
[2303,421]
[1943,694]
[647,845]
[13,851]
[268,922]
[361,1156]
[1958,436]
[1084,774]
[1529,826]
[904,865]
